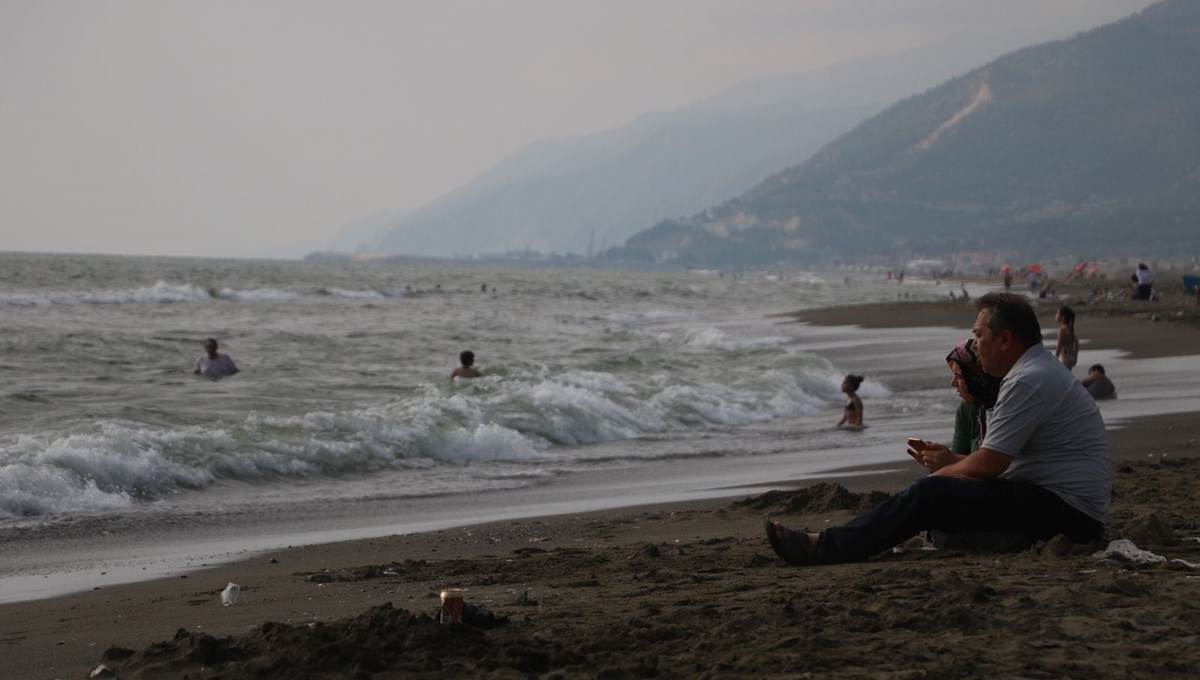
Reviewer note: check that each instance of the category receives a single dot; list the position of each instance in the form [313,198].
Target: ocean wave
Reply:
[715,338]
[353,294]
[160,293]
[526,418]
[257,295]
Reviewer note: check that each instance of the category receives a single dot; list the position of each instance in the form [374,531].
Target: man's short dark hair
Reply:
[1096,367]
[467,357]
[1013,313]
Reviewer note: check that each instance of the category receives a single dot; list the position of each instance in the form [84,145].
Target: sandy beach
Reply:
[688,589]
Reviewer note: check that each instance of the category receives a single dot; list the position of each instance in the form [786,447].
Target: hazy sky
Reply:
[239,128]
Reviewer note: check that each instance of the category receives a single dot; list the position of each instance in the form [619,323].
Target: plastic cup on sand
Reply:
[452,606]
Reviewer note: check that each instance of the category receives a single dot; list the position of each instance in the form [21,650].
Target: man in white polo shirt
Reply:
[1043,468]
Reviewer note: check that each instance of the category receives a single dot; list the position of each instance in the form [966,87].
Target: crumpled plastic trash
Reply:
[1123,551]
[230,594]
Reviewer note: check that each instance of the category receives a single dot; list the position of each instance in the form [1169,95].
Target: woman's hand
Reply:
[937,456]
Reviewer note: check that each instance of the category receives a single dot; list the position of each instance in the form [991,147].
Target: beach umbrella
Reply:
[1036,269]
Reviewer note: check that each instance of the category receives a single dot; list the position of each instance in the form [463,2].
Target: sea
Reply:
[600,387]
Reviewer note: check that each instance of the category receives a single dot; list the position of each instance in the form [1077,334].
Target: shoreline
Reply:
[574,581]
[1127,327]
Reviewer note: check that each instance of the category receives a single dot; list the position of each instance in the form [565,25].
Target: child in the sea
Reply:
[852,412]
[467,369]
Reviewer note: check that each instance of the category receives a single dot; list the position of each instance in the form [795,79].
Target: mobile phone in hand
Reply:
[917,444]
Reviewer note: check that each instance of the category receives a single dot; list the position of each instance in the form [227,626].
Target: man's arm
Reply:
[979,466]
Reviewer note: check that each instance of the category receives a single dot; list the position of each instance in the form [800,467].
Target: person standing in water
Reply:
[212,363]
[852,412]
[1066,349]
[467,369]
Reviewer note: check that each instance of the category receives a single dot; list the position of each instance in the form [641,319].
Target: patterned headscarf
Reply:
[982,387]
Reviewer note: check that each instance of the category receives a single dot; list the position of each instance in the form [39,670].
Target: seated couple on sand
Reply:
[1042,467]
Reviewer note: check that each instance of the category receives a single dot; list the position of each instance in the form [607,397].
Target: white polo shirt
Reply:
[1054,432]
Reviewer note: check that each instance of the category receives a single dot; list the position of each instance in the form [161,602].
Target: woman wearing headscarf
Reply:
[978,392]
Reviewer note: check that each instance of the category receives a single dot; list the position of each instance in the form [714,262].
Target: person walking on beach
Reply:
[1044,467]
[852,411]
[467,368]
[1144,279]
[212,363]
[1066,347]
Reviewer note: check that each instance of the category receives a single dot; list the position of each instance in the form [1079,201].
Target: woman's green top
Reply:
[966,429]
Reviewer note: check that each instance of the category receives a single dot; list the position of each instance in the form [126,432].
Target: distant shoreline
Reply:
[1128,326]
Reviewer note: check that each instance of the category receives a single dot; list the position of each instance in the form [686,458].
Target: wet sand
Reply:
[1127,326]
[678,590]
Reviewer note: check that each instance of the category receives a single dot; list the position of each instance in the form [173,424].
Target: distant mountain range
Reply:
[583,194]
[1088,146]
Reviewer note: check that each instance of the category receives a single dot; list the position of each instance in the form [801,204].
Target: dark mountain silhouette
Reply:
[1086,146]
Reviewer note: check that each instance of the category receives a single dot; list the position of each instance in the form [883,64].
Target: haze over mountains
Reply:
[583,194]
[1088,146]
[1084,147]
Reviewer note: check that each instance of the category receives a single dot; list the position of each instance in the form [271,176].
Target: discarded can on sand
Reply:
[452,606]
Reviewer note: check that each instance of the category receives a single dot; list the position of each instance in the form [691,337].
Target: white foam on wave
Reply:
[98,471]
[643,317]
[577,415]
[160,292]
[355,294]
[258,295]
[23,299]
[520,419]
[27,490]
[485,442]
[708,337]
